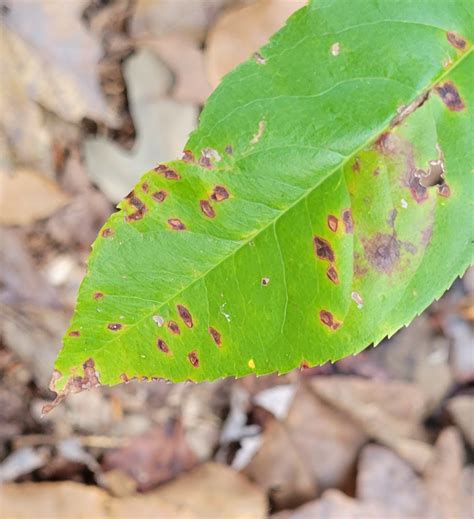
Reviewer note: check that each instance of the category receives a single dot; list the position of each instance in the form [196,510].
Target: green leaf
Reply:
[297,228]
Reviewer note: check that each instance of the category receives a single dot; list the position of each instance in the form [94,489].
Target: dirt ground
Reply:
[94,93]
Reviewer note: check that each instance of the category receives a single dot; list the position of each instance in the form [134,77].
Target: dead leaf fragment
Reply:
[27,196]
[240,32]
[461,409]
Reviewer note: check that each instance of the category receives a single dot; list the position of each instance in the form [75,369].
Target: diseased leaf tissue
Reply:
[323,202]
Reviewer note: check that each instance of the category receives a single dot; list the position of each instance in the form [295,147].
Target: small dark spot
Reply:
[418,191]
[382,252]
[376,172]
[333,222]
[176,224]
[107,232]
[392,216]
[332,275]
[138,204]
[208,156]
[450,96]
[323,249]
[229,150]
[74,333]
[193,359]
[348,221]
[356,165]
[456,40]
[125,378]
[185,315]
[162,346]
[304,365]
[145,187]
[265,282]
[328,319]
[173,327]
[207,208]
[259,58]
[98,295]
[216,336]
[167,172]
[159,196]
[188,156]
[114,326]
[219,194]
[444,190]
[205,162]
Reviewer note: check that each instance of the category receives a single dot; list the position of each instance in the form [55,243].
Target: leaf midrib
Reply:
[245,242]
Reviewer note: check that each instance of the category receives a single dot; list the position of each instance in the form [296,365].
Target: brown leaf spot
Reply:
[176,224]
[167,172]
[259,58]
[138,204]
[185,315]
[348,221]
[162,346]
[450,96]
[173,327]
[216,336]
[444,190]
[265,282]
[114,326]
[323,249]
[159,196]
[74,333]
[418,191]
[456,40]
[188,156]
[383,252]
[207,208]
[208,157]
[98,295]
[356,165]
[193,359]
[219,194]
[328,319]
[332,275]
[145,187]
[333,222]
[107,232]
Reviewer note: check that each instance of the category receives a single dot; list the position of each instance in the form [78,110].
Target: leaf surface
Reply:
[322,203]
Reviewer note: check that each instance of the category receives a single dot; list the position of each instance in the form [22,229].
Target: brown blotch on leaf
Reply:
[145,187]
[139,206]
[348,221]
[456,40]
[265,282]
[332,275]
[219,194]
[444,190]
[383,252]
[167,172]
[98,295]
[188,156]
[328,319]
[418,191]
[207,208]
[162,346]
[107,232]
[159,196]
[333,222]
[114,326]
[259,58]
[173,327]
[185,315]
[450,96]
[216,336]
[193,359]
[176,224]
[356,165]
[74,333]
[323,249]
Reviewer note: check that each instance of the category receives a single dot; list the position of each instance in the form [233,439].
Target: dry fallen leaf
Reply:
[27,196]
[461,409]
[241,31]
